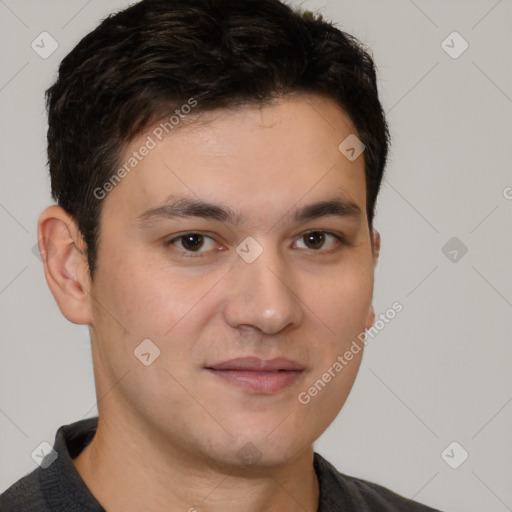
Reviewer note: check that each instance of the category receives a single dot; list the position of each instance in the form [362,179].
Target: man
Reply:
[216,165]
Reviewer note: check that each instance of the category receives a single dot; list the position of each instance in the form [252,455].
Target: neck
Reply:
[128,469]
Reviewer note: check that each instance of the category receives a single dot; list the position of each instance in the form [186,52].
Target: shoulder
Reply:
[48,490]
[386,500]
[25,495]
[55,485]
[338,489]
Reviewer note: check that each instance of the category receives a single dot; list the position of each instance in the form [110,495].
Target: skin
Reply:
[169,433]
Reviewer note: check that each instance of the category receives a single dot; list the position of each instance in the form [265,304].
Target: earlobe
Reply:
[65,264]
[370,318]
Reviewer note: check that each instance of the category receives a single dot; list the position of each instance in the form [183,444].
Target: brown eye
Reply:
[192,242]
[314,239]
[317,240]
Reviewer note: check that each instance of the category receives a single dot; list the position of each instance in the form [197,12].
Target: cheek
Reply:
[155,303]
[343,302]
[325,394]
[142,298]
[342,308]
[342,305]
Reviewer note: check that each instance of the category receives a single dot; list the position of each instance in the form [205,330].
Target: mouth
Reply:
[258,375]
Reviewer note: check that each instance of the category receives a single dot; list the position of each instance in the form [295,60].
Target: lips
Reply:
[258,375]
[258,365]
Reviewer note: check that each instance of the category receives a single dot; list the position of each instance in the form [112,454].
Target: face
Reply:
[247,299]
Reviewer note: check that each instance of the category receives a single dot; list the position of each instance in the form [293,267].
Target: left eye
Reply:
[316,239]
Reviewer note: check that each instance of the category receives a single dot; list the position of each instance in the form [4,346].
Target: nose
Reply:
[263,295]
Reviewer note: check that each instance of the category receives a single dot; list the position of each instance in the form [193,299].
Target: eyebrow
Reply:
[185,207]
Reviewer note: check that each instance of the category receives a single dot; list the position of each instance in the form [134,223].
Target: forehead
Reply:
[258,159]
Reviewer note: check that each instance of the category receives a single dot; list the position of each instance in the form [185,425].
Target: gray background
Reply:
[440,371]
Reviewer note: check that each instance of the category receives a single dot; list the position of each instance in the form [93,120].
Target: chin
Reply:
[259,449]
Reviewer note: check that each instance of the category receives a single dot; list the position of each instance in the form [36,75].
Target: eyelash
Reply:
[341,241]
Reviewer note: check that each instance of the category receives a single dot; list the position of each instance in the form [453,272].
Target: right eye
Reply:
[191,244]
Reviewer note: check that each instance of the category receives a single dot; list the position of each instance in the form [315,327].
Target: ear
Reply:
[64,259]
[375,246]
[375,251]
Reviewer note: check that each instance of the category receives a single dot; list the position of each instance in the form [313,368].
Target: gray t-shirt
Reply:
[58,487]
